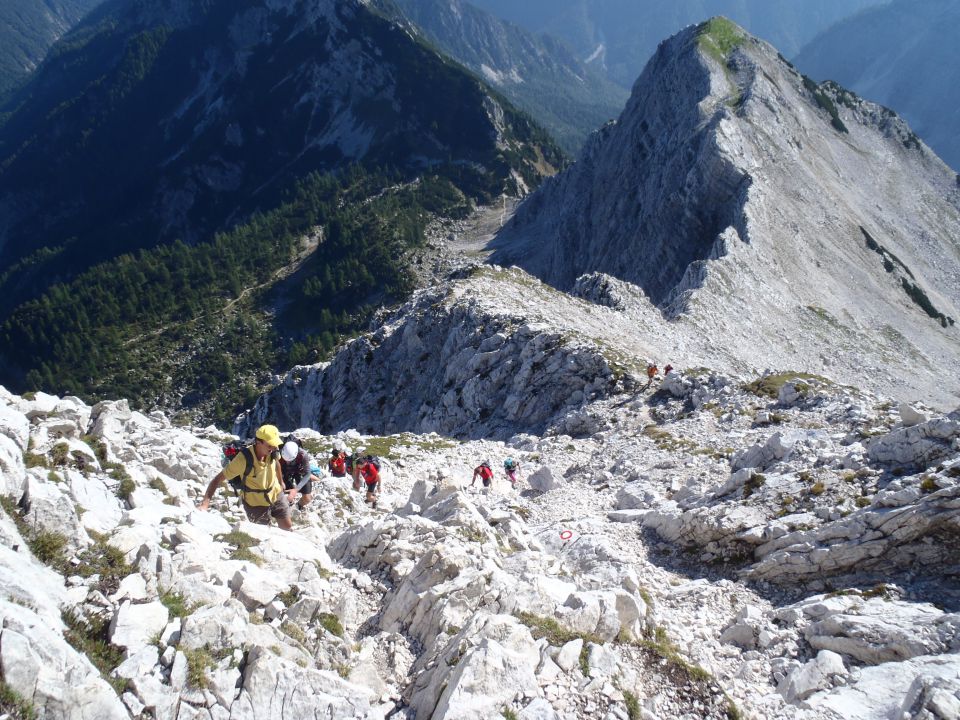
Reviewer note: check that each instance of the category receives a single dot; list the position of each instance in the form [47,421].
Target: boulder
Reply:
[542,479]
[817,674]
[277,689]
[910,416]
[38,664]
[916,447]
[133,626]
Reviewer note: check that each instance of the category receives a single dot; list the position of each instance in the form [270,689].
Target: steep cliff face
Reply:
[750,203]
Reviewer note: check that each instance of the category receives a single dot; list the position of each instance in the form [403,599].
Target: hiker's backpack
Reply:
[374,460]
[230,451]
[509,464]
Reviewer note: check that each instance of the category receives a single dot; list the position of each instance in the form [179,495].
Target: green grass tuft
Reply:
[13,705]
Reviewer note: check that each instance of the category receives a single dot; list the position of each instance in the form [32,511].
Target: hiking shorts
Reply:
[487,482]
[372,487]
[261,514]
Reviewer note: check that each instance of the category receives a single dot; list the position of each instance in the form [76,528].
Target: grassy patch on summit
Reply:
[718,37]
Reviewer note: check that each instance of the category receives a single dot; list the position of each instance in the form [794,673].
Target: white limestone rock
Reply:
[917,446]
[133,626]
[542,479]
[569,655]
[276,689]
[910,416]
[38,664]
[220,626]
[497,661]
[51,509]
[102,509]
[817,674]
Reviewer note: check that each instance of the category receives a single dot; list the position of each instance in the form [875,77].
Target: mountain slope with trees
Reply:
[536,72]
[27,30]
[167,157]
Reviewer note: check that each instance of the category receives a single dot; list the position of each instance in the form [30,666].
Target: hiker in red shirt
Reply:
[370,472]
[338,463]
[484,472]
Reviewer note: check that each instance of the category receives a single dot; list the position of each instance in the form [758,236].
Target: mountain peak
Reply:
[739,194]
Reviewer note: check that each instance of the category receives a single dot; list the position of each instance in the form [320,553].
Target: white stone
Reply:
[133,626]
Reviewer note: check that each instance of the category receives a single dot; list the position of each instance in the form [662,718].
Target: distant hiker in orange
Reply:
[261,486]
[651,372]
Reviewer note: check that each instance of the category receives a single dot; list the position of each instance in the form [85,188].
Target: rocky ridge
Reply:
[768,215]
[715,548]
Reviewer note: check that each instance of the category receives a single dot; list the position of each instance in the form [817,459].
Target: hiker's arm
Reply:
[211,489]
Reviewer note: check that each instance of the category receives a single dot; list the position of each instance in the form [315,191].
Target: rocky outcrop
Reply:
[489,355]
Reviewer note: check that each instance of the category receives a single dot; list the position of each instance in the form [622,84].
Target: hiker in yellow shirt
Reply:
[261,488]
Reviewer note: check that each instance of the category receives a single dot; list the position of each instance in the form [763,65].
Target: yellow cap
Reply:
[270,435]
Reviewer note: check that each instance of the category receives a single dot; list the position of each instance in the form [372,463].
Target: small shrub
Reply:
[522,512]
[928,484]
[125,483]
[769,385]
[48,547]
[330,623]
[242,542]
[199,660]
[862,502]
[818,488]
[14,706]
[177,605]
[584,659]
[508,714]
[53,477]
[755,482]
[293,630]
[90,637]
[32,460]
[105,561]
[633,705]
[290,596]
[60,453]
[555,633]
[849,476]
[98,446]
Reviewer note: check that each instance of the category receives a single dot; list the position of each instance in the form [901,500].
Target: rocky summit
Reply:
[769,215]
[699,547]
